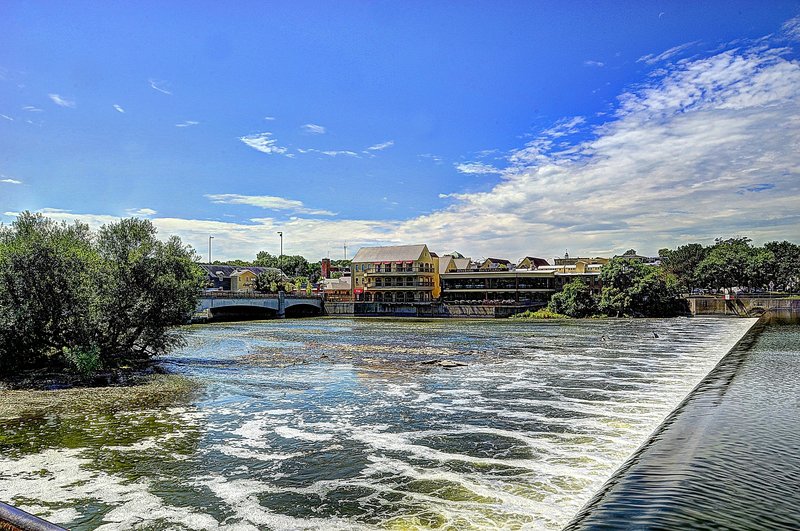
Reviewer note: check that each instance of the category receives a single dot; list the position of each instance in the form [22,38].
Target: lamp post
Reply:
[209,248]
[280,256]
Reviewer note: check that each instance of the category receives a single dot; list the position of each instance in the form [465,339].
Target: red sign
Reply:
[358,291]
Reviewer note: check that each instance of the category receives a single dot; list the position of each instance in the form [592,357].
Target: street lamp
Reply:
[280,256]
[209,248]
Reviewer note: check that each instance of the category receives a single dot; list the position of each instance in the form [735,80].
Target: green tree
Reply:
[733,263]
[46,295]
[784,267]
[683,262]
[631,288]
[147,286]
[264,259]
[270,281]
[575,300]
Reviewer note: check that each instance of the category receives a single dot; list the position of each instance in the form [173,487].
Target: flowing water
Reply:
[337,424]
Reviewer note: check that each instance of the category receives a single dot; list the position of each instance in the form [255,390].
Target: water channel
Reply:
[337,424]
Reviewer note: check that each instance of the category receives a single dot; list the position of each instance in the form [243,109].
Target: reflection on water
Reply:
[336,423]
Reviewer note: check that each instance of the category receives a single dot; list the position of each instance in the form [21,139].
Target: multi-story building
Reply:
[398,273]
[525,287]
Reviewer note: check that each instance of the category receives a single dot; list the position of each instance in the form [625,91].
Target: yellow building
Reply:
[243,280]
[397,273]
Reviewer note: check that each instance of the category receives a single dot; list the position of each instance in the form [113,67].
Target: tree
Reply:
[264,259]
[732,263]
[784,268]
[148,286]
[634,289]
[682,263]
[68,300]
[270,281]
[575,300]
[45,291]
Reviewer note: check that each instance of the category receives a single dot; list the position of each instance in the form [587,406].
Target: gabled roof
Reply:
[462,263]
[498,261]
[392,253]
[226,271]
[444,263]
[536,262]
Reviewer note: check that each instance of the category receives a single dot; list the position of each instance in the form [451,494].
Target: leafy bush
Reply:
[542,313]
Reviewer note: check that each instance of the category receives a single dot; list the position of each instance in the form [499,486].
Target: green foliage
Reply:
[631,288]
[270,281]
[291,265]
[70,299]
[543,313]
[784,270]
[83,360]
[683,262]
[575,300]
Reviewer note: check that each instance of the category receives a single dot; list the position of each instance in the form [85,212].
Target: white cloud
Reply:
[31,108]
[10,181]
[476,168]
[264,143]
[381,146]
[340,152]
[652,59]
[118,108]
[160,86]
[187,123]
[314,129]
[6,117]
[791,28]
[598,64]
[708,148]
[269,202]
[269,118]
[61,102]
[141,212]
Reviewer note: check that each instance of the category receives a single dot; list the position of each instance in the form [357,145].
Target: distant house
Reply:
[496,264]
[531,262]
[232,278]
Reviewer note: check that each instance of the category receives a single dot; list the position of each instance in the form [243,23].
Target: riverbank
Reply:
[726,457]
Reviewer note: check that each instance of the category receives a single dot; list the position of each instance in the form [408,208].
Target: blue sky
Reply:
[493,128]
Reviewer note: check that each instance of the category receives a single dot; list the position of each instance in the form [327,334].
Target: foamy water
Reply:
[336,424]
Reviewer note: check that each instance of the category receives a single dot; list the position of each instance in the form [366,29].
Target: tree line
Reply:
[80,301]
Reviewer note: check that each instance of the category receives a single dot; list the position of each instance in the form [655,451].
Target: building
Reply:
[496,264]
[572,261]
[329,270]
[232,278]
[525,287]
[531,262]
[398,273]
[337,289]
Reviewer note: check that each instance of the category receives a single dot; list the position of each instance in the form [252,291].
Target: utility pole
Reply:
[209,248]
[345,250]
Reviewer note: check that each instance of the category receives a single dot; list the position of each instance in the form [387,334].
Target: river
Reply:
[336,424]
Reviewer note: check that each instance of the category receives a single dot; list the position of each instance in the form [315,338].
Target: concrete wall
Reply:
[743,306]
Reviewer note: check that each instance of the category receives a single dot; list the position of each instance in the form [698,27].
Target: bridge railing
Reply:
[253,295]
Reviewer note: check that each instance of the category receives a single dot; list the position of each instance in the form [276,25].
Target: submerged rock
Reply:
[444,363]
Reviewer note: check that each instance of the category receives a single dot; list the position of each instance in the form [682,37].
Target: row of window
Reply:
[393,268]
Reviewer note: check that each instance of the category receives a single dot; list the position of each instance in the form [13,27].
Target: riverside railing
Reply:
[16,519]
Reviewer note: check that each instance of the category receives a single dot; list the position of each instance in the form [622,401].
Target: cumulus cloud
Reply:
[10,181]
[381,146]
[61,102]
[314,129]
[118,108]
[269,202]
[264,143]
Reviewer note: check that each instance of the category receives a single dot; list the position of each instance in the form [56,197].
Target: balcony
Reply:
[399,272]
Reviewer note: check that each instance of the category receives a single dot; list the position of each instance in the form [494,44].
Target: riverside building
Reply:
[398,273]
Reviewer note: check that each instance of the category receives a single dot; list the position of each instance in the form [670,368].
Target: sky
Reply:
[499,129]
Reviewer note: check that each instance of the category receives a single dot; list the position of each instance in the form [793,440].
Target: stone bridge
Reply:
[247,304]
